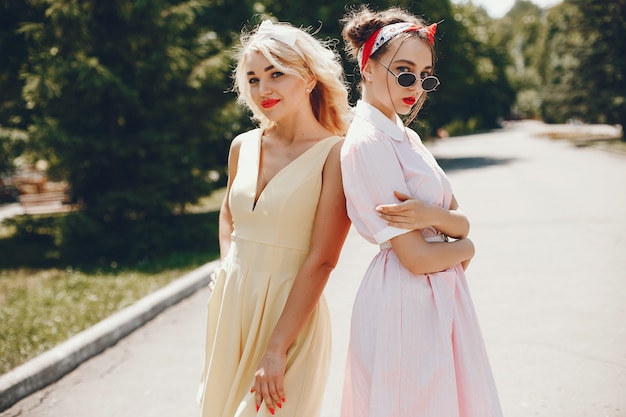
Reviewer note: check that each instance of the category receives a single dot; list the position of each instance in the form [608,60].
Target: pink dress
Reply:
[416,349]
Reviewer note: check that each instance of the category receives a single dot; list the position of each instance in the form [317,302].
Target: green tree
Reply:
[558,66]
[602,64]
[475,93]
[130,110]
[14,116]
[585,62]
[522,34]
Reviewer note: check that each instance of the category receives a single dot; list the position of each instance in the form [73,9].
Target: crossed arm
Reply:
[412,213]
[417,255]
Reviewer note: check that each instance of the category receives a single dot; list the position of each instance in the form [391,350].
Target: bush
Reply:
[138,240]
[73,239]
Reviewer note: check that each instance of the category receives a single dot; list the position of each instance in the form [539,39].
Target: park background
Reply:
[124,109]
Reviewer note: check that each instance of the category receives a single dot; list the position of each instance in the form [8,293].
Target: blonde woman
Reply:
[282,225]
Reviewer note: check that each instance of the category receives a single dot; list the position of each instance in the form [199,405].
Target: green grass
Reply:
[46,299]
[40,308]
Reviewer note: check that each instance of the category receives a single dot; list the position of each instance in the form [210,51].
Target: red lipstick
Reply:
[268,104]
[409,100]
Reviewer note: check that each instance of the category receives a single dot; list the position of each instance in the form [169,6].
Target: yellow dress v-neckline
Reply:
[259,194]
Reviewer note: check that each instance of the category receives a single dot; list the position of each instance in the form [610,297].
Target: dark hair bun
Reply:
[360,24]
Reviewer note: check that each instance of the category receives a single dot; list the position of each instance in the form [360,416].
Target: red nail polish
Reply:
[283,399]
[257,408]
[272,411]
[279,405]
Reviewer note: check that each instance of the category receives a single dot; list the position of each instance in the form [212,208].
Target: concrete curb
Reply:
[52,365]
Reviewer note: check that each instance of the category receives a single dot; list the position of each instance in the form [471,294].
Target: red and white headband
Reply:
[387,33]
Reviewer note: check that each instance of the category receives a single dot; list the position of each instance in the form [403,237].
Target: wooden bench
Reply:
[46,202]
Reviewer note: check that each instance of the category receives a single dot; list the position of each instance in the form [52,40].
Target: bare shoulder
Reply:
[334,155]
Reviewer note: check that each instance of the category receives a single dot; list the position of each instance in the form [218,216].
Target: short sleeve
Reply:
[371,173]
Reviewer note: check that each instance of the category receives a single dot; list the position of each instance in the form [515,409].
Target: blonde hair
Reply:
[362,23]
[307,58]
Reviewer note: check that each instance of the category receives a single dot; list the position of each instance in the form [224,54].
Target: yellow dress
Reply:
[270,241]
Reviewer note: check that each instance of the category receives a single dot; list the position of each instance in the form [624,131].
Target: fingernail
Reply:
[272,411]
[283,399]
[279,405]
[257,408]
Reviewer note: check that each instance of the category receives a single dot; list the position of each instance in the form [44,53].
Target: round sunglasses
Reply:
[408,79]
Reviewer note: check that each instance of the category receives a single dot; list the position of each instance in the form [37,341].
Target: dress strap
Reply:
[327,143]
[250,148]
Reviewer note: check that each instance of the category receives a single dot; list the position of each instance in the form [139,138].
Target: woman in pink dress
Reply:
[416,348]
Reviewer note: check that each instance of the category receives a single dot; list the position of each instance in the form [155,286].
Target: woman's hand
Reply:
[410,213]
[212,279]
[414,214]
[268,381]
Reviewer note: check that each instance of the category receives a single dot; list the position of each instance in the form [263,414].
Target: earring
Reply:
[308,90]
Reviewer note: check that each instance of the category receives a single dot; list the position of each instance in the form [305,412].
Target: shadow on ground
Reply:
[452,164]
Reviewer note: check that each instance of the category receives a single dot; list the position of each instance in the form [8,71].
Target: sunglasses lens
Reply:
[406,79]
[430,83]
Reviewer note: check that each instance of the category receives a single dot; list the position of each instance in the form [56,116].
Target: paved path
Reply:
[548,281]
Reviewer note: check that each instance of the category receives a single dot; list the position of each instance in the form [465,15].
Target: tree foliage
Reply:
[522,33]
[562,98]
[14,117]
[568,62]
[476,93]
[128,106]
[129,100]
[594,61]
